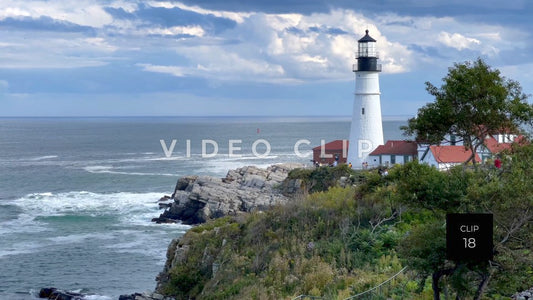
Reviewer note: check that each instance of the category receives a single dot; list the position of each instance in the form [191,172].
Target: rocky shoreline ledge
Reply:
[197,199]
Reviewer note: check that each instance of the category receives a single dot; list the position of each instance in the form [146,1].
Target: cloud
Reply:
[45,52]
[458,41]
[283,48]
[219,44]
[189,31]
[463,39]
[223,67]
[172,70]
[83,12]
[127,6]
[234,16]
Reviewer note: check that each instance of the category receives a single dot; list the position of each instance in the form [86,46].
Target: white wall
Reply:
[386,159]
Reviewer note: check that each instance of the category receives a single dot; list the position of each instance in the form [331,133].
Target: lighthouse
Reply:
[366,132]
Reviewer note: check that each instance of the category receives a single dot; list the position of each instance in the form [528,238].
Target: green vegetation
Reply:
[343,241]
[473,101]
[322,178]
[507,193]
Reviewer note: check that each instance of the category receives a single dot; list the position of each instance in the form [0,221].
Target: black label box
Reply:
[469,237]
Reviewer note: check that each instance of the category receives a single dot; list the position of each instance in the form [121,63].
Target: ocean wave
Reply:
[20,248]
[24,223]
[43,157]
[240,158]
[30,160]
[109,170]
[79,238]
[172,158]
[87,203]
[73,218]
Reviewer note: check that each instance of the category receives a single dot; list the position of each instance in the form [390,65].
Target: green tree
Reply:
[423,186]
[474,101]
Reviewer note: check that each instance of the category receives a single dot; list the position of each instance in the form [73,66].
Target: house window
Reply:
[393,159]
[363,111]
[452,140]
[405,158]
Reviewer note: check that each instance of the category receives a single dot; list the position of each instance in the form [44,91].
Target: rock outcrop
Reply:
[144,296]
[53,293]
[200,198]
[176,254]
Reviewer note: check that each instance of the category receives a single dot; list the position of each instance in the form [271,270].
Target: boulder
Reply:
[200,198]
[46,292]
[163,220]
[165,198]
[53,293]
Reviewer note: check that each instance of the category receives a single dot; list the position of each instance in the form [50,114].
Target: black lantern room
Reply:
[367,55]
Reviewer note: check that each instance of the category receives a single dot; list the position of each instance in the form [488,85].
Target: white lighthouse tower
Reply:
[366,133]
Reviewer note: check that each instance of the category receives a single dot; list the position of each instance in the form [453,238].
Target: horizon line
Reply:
[384,117]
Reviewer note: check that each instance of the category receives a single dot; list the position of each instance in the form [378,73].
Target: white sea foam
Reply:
[132,209]
[109,170]
[172,158]
[24,223]
[21,248]
[43,157]
[78,238]
[76,202]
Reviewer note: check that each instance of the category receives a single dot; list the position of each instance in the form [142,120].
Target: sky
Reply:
[244,58]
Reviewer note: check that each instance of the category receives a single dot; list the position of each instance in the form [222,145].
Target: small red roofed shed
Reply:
[327,153]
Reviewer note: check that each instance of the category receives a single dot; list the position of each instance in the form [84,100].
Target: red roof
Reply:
[452,154]
[495,147]
[334,145]
[396,148]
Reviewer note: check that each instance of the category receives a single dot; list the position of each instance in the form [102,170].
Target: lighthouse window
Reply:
[363,111]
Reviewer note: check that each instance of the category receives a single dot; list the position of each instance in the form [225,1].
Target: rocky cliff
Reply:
[197,199]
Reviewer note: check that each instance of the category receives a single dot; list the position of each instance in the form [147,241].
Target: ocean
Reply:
[77,194]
